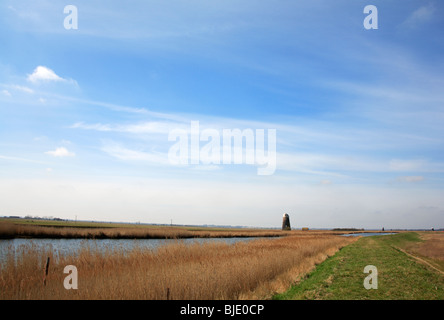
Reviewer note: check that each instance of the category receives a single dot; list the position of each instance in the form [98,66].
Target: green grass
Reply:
[400,277]
[401,240]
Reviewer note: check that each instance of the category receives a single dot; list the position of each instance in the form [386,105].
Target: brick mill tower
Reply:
[286,222]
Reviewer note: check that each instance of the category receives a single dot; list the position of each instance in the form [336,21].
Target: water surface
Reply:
[72,246]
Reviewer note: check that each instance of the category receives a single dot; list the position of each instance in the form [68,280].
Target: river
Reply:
[72,246]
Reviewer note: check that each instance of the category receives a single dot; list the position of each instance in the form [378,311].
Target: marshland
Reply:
[202,263]
[254,269]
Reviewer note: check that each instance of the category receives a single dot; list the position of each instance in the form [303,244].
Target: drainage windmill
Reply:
[286,222]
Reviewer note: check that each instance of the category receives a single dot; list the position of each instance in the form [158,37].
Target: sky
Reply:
[88,111]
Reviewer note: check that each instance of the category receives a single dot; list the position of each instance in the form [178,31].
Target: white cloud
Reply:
[42,73]
[61,152]
[123,153]
[162,127]
[96,126]
[6,93]
[419,16]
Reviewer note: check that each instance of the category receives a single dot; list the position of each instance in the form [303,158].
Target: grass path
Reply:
[400,276]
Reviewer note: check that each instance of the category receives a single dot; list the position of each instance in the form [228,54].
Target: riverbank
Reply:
[401,273]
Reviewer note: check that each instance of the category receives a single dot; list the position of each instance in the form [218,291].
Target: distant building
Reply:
[286,222]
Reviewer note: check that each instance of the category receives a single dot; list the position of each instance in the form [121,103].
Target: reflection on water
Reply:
[72,246]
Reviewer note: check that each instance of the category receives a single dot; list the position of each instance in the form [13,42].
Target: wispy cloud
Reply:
[12,8]
[60,152]
[3,157]
[358,117]
[303,148]
[416,165]
[123,153]
[136,128]
[21,88]
[410,179]
[420,16]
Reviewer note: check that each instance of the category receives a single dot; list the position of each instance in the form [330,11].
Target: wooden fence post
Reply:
[46,271]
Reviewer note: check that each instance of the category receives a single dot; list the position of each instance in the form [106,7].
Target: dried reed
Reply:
[10,230]
[254,269]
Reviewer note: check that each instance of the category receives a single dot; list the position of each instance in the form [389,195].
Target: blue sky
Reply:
[85,114]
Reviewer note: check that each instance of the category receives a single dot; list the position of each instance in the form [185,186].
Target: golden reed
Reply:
[10,230]
[246,270]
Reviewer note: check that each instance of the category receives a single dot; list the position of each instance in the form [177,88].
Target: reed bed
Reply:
[432,245]
[245,270]
[10,230]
